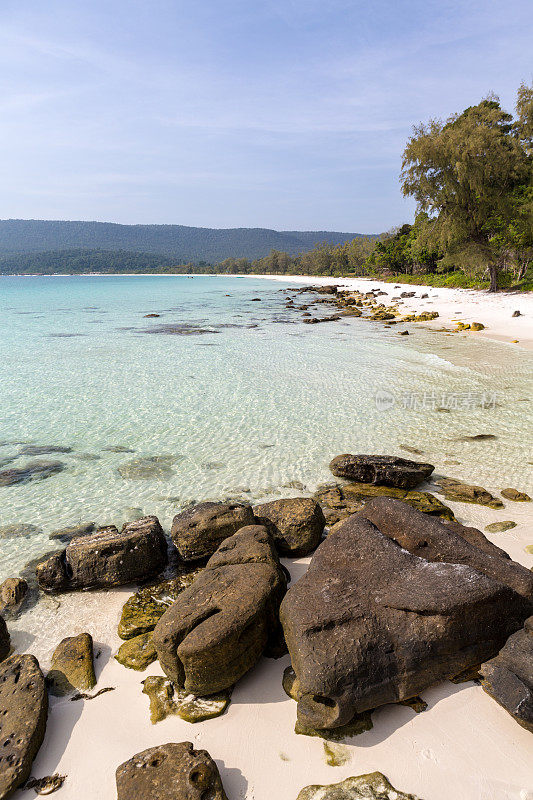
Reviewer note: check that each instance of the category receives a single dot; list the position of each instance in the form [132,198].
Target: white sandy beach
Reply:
[463,747]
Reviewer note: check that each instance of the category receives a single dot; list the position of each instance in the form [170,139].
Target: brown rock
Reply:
[72,665]
[296,524]
[12,593]
[198,531]
[515,495]
[381,470]
[5,639]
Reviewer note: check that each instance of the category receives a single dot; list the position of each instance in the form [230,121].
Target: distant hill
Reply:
[177,243]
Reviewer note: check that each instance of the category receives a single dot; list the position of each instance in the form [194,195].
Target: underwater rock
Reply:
[515,495]
[33,470]
[141,611]
[137,653]
[170,772]
[147,468]
[198,531]
[24,704]
[43,449]
[72,665]
[220,626]
[392,471]
[18,529]
[373,786]
[508,678]
[296,524]
[167,699]
[73,531]
[107,558]
[352,645]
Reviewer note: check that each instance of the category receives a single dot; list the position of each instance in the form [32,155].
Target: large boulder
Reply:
[373,786]
[381,470]
[107,557]
[72,665]
[24,708]
[393,602]
[296,524]
[170,772]
[5,639]
[198,531]
[508,677]
[219,627]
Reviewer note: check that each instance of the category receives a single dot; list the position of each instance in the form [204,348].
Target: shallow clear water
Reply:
[261,401]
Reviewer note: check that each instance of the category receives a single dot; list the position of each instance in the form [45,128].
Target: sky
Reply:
[286,114]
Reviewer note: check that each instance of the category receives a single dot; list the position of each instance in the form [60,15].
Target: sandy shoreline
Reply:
[463,747]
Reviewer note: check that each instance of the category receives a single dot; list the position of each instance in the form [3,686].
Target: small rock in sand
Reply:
[72,665]
[373,786]
[500,527]
[515,495]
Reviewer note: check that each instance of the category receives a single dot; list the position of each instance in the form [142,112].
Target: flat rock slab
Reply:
[393,602]
[24,705]
[508,677]
[220,626]
[460,492]
[170,772]
[400,473]
[107,558]
[296,524]
[72,665]
[374,786]
[198,531]
[166,699]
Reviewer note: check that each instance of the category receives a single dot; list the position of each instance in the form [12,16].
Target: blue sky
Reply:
[289,114]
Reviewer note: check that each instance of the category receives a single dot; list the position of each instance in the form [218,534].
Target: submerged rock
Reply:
[170,772]
[72,665]
[373,786]
[137,653]
[460,492]
[24,708]
[381,470]
[73,531]
[508,677]
[43,449]
[167,699]
[18,529]
[220,626]
[5,640]
[296,524]
[107,558]
[515,495]
[147,467]
[142,610]
[351,642]
[33,470]
[198,531]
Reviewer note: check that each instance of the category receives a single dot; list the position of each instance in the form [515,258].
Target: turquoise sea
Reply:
[238,396]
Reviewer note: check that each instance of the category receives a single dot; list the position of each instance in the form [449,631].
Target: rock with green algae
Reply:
[500,527]
[477,326]
[373,786]
[336,754]
[425,316]
[515,495]
[416,703]
[72,665]
[137,653]
[166,699]
[459,492]
[142,610]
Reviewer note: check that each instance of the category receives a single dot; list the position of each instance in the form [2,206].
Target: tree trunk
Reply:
[493,271]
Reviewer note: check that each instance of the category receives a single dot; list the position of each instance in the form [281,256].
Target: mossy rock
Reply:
[167,699]
[515,496]
[460,492]
[500,527]
[373,786]
[416,703]
[425,316]
[137,653]
[477,326]
[429,504]
[142,611]
[359,724]
[72,665]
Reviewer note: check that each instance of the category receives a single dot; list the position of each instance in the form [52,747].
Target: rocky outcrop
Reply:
[508,677]
[338,500]
[141,611]
[374,786]
[393,602]
[5,639]
[198,531]
[219,627]
[296,524]
[24,708]
[72,665]
[400,473]
[107,558]
[170,772]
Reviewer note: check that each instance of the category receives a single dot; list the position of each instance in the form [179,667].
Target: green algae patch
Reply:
[166,699]
[336,754]
[137,653]
[142,611]
[373,786]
